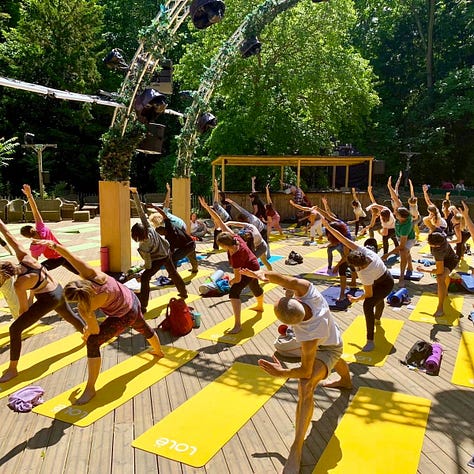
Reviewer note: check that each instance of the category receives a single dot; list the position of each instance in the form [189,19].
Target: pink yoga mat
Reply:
[433,362]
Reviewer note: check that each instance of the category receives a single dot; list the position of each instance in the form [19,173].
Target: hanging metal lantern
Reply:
[162,81]
[205,13]
[149,104]
[205,122]
[115,60]
[250,47]
[153,142]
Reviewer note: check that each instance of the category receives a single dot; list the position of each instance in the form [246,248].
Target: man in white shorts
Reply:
[304,308]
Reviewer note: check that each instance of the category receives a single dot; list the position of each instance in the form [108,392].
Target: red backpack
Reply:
[178,318]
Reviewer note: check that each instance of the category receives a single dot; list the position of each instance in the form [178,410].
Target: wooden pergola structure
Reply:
[294,161]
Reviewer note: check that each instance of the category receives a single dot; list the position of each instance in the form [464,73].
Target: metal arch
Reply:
[253,23]
[173,12]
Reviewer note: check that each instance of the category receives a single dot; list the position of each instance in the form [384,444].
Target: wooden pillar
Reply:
[298,174]
[347,177]
[114,201]
[222,176]
[334,168]
[370,172]
[282,175]
[181,204]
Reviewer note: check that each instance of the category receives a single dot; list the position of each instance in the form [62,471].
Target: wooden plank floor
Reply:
[31,443]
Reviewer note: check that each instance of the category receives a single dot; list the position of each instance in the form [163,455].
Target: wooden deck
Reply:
[31,443]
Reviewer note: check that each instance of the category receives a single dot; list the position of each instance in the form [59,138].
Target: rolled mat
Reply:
[433,362]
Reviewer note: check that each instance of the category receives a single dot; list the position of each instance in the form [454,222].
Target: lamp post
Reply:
[39,148]
[408,155]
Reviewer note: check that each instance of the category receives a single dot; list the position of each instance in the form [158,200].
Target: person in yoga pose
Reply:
[95,291]
[33,277]
[42,232]
[240,256]
[446,261]
[372,272]
[304,308]
[155,251]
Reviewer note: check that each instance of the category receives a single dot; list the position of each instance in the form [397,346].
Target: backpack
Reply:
[417,354]
[178,320]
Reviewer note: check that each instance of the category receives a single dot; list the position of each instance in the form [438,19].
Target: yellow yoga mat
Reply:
[33,330]
[426,307]
[42,362]
[115,386]
[320,253]
[464,366]
[354,338]
[381,432]
[157,305]
[196,430]
[252,323]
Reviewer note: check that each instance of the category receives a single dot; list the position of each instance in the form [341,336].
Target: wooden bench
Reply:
[91,204]
[50,210]
[68,208]
[81,216]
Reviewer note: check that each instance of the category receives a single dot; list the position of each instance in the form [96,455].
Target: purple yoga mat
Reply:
[433,362]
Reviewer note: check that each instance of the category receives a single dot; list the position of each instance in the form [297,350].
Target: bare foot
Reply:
[257,308]
[234,330]
[401,283]
[8,375]
[157,354]
[439,312]
[340,384]
[89,394]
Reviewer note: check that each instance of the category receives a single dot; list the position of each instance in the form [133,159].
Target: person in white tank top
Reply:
[321,349]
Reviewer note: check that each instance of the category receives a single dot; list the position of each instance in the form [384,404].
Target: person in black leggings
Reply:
[377,281]
[31,276]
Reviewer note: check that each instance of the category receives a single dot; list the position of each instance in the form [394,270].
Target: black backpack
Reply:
[417,354]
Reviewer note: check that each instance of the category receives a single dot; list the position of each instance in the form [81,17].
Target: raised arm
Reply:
[253,183]
[300,207]
[354,194]
[19,250]
[31,201]
[397,183]
[218,222]
[428,201]
[267,192]
[371,195]
[215,194]
[327,209]
[467,218]
[139,207]
[393,195]
[239,208]
[342,238]
[85,270]
[167,201]
[412,191]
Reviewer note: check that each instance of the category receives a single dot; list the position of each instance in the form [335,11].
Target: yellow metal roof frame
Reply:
[291,160]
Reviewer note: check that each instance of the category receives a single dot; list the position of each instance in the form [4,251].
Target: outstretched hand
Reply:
[48,243]
[273,368]
[257,274]
[26,189]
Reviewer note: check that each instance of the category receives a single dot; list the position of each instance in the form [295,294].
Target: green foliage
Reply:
[118,149]
[436,121]
[296,94]
[7,149]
